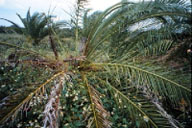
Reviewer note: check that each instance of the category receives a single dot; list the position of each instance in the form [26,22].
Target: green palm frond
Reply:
[158,48]
[85,30]
[35,26]
[106,20]
[141,110]
[100,114]
[10,112]
[142,43]
[24,23]
[15,26]
[158,84]
[142,38]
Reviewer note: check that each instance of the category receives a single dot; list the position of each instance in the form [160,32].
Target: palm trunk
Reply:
[76,37]
[53,47]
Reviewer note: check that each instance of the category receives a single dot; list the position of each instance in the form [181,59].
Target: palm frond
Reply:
[158,48]
[106,20]
[12,111]
[24,21]
[16,27]
[35,26]
[141,110]
[100,114]
[51,111]
[155,83]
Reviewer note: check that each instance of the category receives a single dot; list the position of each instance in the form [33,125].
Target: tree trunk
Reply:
[53,47]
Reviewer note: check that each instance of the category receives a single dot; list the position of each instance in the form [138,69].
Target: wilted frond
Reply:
[158,84]
[100,114]
[12,111]
[51,111]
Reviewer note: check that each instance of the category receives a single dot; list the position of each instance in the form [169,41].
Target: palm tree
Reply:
[136,87]
[35,26]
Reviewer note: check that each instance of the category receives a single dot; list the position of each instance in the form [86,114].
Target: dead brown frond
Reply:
[10,109]
[51,111]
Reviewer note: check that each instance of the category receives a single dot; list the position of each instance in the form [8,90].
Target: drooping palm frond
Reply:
[145,38]
[15,26]
[141,110]
[100,114]
[142,43]
[11,112]
[158,48]
[140,15]
[154,82]
[51,111]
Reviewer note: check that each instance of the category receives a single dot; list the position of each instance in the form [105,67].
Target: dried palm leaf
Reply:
[11,110]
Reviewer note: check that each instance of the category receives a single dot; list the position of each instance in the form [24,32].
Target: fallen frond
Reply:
[13,110]
[51,111]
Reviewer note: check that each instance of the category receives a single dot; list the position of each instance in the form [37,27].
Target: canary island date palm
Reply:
[134,86]
[35,26]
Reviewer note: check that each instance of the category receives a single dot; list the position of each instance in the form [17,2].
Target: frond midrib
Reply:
[140,110]
[29,97]
[92,103]
[145,71]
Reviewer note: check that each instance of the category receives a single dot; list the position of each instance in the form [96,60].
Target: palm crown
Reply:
[109,67]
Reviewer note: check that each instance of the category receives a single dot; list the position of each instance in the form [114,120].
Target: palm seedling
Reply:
[106,70]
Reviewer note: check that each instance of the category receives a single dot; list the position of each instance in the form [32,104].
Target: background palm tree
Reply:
[35,26]
[134,85]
